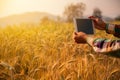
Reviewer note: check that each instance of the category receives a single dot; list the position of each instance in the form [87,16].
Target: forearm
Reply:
[103,45]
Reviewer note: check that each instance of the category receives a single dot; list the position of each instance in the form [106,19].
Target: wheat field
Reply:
[47,52]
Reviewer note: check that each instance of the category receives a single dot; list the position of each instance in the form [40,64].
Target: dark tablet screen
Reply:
[84,25]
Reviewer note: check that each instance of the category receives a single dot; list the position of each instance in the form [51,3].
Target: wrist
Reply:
[89,40]
[110,28]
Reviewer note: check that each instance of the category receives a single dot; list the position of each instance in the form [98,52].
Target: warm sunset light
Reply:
[59,39]
[8,7]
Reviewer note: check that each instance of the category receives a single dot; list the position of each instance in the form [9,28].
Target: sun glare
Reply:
[21,6]
[9,7]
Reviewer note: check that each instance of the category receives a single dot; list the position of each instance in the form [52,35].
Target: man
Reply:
[100,44]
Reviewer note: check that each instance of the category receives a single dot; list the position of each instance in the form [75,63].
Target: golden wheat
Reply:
[48,52]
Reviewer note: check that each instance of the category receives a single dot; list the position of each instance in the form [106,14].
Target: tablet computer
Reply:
[84,25]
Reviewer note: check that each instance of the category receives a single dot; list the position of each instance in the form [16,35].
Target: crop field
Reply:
[47,52]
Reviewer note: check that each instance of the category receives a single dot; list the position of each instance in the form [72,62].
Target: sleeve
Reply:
[117,31]
[113,29]
[103,45]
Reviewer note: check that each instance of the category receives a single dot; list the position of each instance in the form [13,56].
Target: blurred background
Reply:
[32,11]
[36,40]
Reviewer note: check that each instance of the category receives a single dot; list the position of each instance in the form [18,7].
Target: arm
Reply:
[109,28]
[103,45]
[113,29]
[98,44]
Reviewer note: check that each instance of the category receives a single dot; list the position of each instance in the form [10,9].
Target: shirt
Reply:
[106,45]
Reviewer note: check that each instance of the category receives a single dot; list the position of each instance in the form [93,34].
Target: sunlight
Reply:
[9,7]
[20,5]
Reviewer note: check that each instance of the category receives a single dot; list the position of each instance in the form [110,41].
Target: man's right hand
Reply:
[98,23]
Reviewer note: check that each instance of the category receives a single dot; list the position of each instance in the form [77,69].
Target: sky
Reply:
[110,8]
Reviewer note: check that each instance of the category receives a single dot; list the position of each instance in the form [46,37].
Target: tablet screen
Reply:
[84,25]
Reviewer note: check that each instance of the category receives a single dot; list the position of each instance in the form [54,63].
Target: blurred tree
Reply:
[74,10]
[117,18]
[44,20]
[97,13]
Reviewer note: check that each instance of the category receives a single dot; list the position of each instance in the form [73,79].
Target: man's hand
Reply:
[80,37]
[98,23]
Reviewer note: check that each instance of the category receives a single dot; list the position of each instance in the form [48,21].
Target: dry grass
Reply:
[47,52]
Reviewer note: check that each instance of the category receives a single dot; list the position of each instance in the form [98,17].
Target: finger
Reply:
[75,33]
[95,19]
[91,17]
